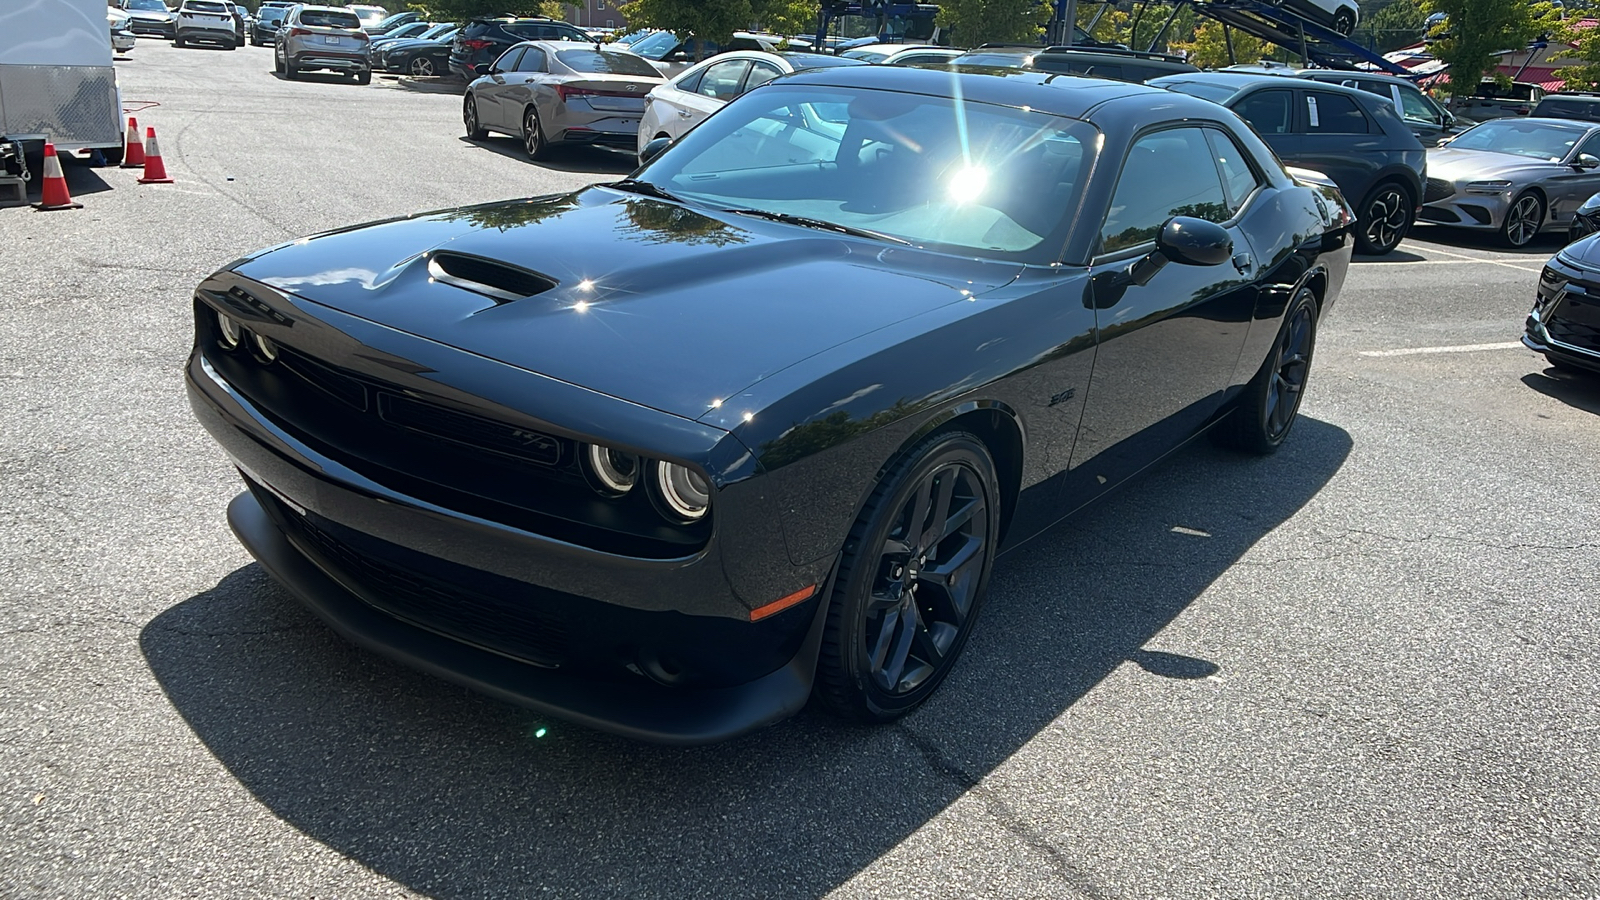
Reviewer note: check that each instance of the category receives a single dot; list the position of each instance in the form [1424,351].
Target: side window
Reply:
[532,60]
[1590,145]
[1238,179]
[721,81]
[508,60]
[760,73]
[691,83]
[1415,109]
[1168,173]
[1268,112]
[1105,71]
[1328,113]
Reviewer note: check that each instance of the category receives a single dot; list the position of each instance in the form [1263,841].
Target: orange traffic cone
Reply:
[155,171]
[56,195]
[132,147]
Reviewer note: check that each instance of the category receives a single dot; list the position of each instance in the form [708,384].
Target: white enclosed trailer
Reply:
[56,78]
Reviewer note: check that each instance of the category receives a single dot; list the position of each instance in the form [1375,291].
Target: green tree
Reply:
[1585,76]
[1478,31]
[788,16]
[1209,49]
[974,22]
[1397,25]
[709,20]
[460,10]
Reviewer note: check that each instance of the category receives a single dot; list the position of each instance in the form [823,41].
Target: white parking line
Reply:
[1461,348]
[1492,262]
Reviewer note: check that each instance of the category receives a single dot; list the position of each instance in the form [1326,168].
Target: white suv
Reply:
[321,37]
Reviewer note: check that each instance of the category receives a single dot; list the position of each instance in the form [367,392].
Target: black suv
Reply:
[483,40]
[1106,62]
[1584,107]
[1353,137]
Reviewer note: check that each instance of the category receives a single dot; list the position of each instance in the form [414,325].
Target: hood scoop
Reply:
[487,277]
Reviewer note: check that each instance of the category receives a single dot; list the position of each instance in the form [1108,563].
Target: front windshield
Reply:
[1536,140]
[1216,93]
[656,45]
[435,31]
[151,5]
[929,170]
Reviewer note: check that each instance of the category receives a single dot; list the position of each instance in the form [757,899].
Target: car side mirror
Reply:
[1194,242]
[483,69]
[654,149]
[1587,161]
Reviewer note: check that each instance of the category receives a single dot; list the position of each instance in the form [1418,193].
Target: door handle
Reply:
[1243,261]
[683,114]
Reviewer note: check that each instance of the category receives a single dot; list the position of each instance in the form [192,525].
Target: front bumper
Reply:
[472,594]
[637,709]
[1564,324]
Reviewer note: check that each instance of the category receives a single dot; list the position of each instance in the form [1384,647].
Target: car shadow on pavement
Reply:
[455,795]
[1576,389]
[578,158]
[1467,239]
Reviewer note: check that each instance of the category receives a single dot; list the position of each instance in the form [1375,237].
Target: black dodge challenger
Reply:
[669,456]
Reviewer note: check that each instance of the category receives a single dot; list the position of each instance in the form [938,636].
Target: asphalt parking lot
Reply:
[1364,667]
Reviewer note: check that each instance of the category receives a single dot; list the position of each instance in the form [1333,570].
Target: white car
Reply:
[673,108]
[903,54]
[1340,15]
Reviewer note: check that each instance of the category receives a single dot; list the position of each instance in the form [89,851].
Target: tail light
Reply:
[299,32]
[361,36]
[565,91]
[476,44]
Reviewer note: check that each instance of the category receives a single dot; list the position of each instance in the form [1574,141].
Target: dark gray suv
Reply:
[322,37]
[1353,137]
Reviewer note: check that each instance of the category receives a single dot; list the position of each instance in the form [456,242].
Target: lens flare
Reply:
[967,184]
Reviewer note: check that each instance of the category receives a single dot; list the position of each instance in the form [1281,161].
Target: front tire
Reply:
[177,42]
[421,67]
[1385,219]
[910,581]
[1522,220]
[1267,409]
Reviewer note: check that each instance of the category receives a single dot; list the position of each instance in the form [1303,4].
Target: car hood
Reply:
[1474,165]
[649,301]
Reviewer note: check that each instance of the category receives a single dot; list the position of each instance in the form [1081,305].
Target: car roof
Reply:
[1065,95]
[896,48]
[1241,80]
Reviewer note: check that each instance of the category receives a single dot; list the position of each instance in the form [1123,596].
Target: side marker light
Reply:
[782,603]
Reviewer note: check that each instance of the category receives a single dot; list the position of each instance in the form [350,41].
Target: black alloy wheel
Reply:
[1344,21]
[911,580]
[1523,220]
[421,67]
[469,117]
[1385,219]
[533,136]
[1269,405]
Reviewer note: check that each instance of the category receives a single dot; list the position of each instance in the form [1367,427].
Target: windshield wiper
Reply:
[819,224]
[635,186]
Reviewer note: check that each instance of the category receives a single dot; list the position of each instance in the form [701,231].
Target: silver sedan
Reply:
[554,92]
[1515,176]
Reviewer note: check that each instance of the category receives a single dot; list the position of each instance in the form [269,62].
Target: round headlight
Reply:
[685,492]
[267,347]
[229,333]
[614,472]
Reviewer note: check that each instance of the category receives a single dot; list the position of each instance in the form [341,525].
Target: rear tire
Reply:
[290,71]
[469,118]
[910,580]
[1266,411]
[1344,21]
[364,77]
[533,136]
[1385,217]
[177,42]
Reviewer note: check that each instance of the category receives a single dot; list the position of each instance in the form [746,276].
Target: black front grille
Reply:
[1438,189]
[1586,337]
[474,431]
[520,627]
